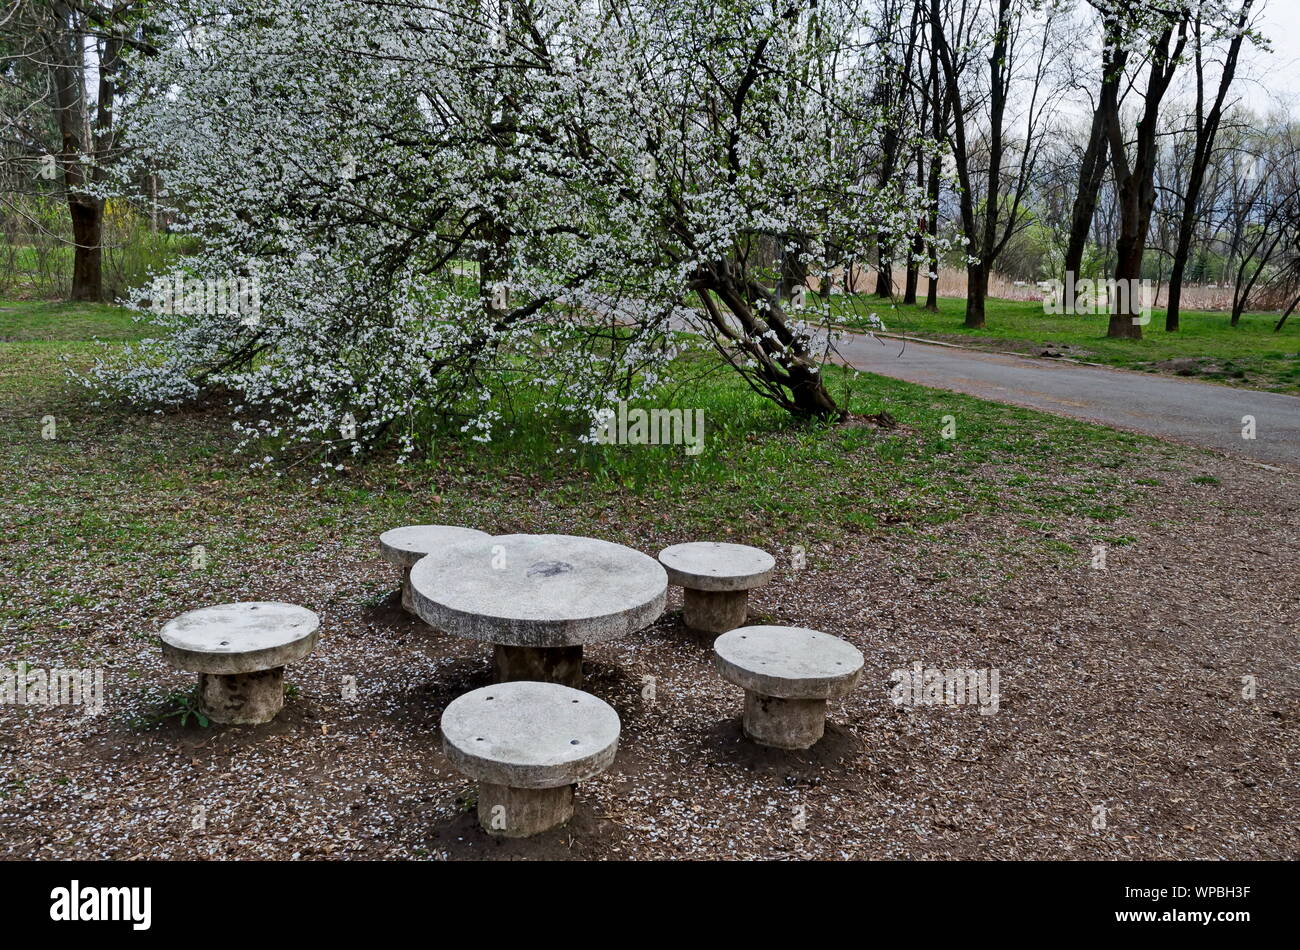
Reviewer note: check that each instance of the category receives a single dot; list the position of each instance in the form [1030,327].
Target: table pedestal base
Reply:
[242,699]
[561,665]
[710,611]
[784,723]
[509,812]
[408,603]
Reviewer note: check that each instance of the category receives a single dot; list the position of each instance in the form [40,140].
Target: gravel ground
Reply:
[1122,730]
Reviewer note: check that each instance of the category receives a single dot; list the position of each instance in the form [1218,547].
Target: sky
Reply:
[1274,74]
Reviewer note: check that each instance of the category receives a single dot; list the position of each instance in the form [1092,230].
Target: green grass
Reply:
[28,321]
[118,499]
[1250,354]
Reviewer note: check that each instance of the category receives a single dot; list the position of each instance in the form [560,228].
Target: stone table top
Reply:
[538,590]
[406,545]
[239,638]
[788,662]
[717,566]
[530,735]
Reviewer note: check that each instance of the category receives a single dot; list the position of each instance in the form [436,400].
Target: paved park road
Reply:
[1181,410]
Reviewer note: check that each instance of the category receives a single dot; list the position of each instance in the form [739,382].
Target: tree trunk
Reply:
[812,399]
[1181,252]
[890,94]
[1134,219]
[932,229]
[884,276]
[87,233]
[939,117]
[913,271]
[1103,151]
[1136,181]
[983,244]
[1277,327]
[1092,172]
[780,366]
[1128,267]
[977,291]
[794,271]
[66,52]
[1206,133]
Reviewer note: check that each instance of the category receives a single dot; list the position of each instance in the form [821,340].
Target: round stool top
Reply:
[788,662]
[404,546]
[239,638]
[538,590]
[717,566]
[530,735]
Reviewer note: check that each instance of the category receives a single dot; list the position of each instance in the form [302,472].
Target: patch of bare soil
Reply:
[1145,710]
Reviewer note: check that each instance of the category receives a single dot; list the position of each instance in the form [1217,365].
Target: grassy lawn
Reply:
[760,478]
[973,552]
[41,321]
[136,489]
[1206,347]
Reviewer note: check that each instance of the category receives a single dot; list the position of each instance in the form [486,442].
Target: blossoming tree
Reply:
[441,201]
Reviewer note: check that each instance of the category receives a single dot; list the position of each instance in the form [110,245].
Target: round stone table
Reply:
[716,578]
[240,651]
[537,598]
[788,674]
[527,745]
[406,545]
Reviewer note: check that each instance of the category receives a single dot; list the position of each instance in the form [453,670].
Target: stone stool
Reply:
[527,744]
[716,579]
[240,651]
[788,674]
[405,546]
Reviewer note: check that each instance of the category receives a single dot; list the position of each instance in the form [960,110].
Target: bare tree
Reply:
[1271,244]
[1094,161]
[1003,193]
[940,120]
[67,58]
[1207,129]
[898,45]
[1135,173]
